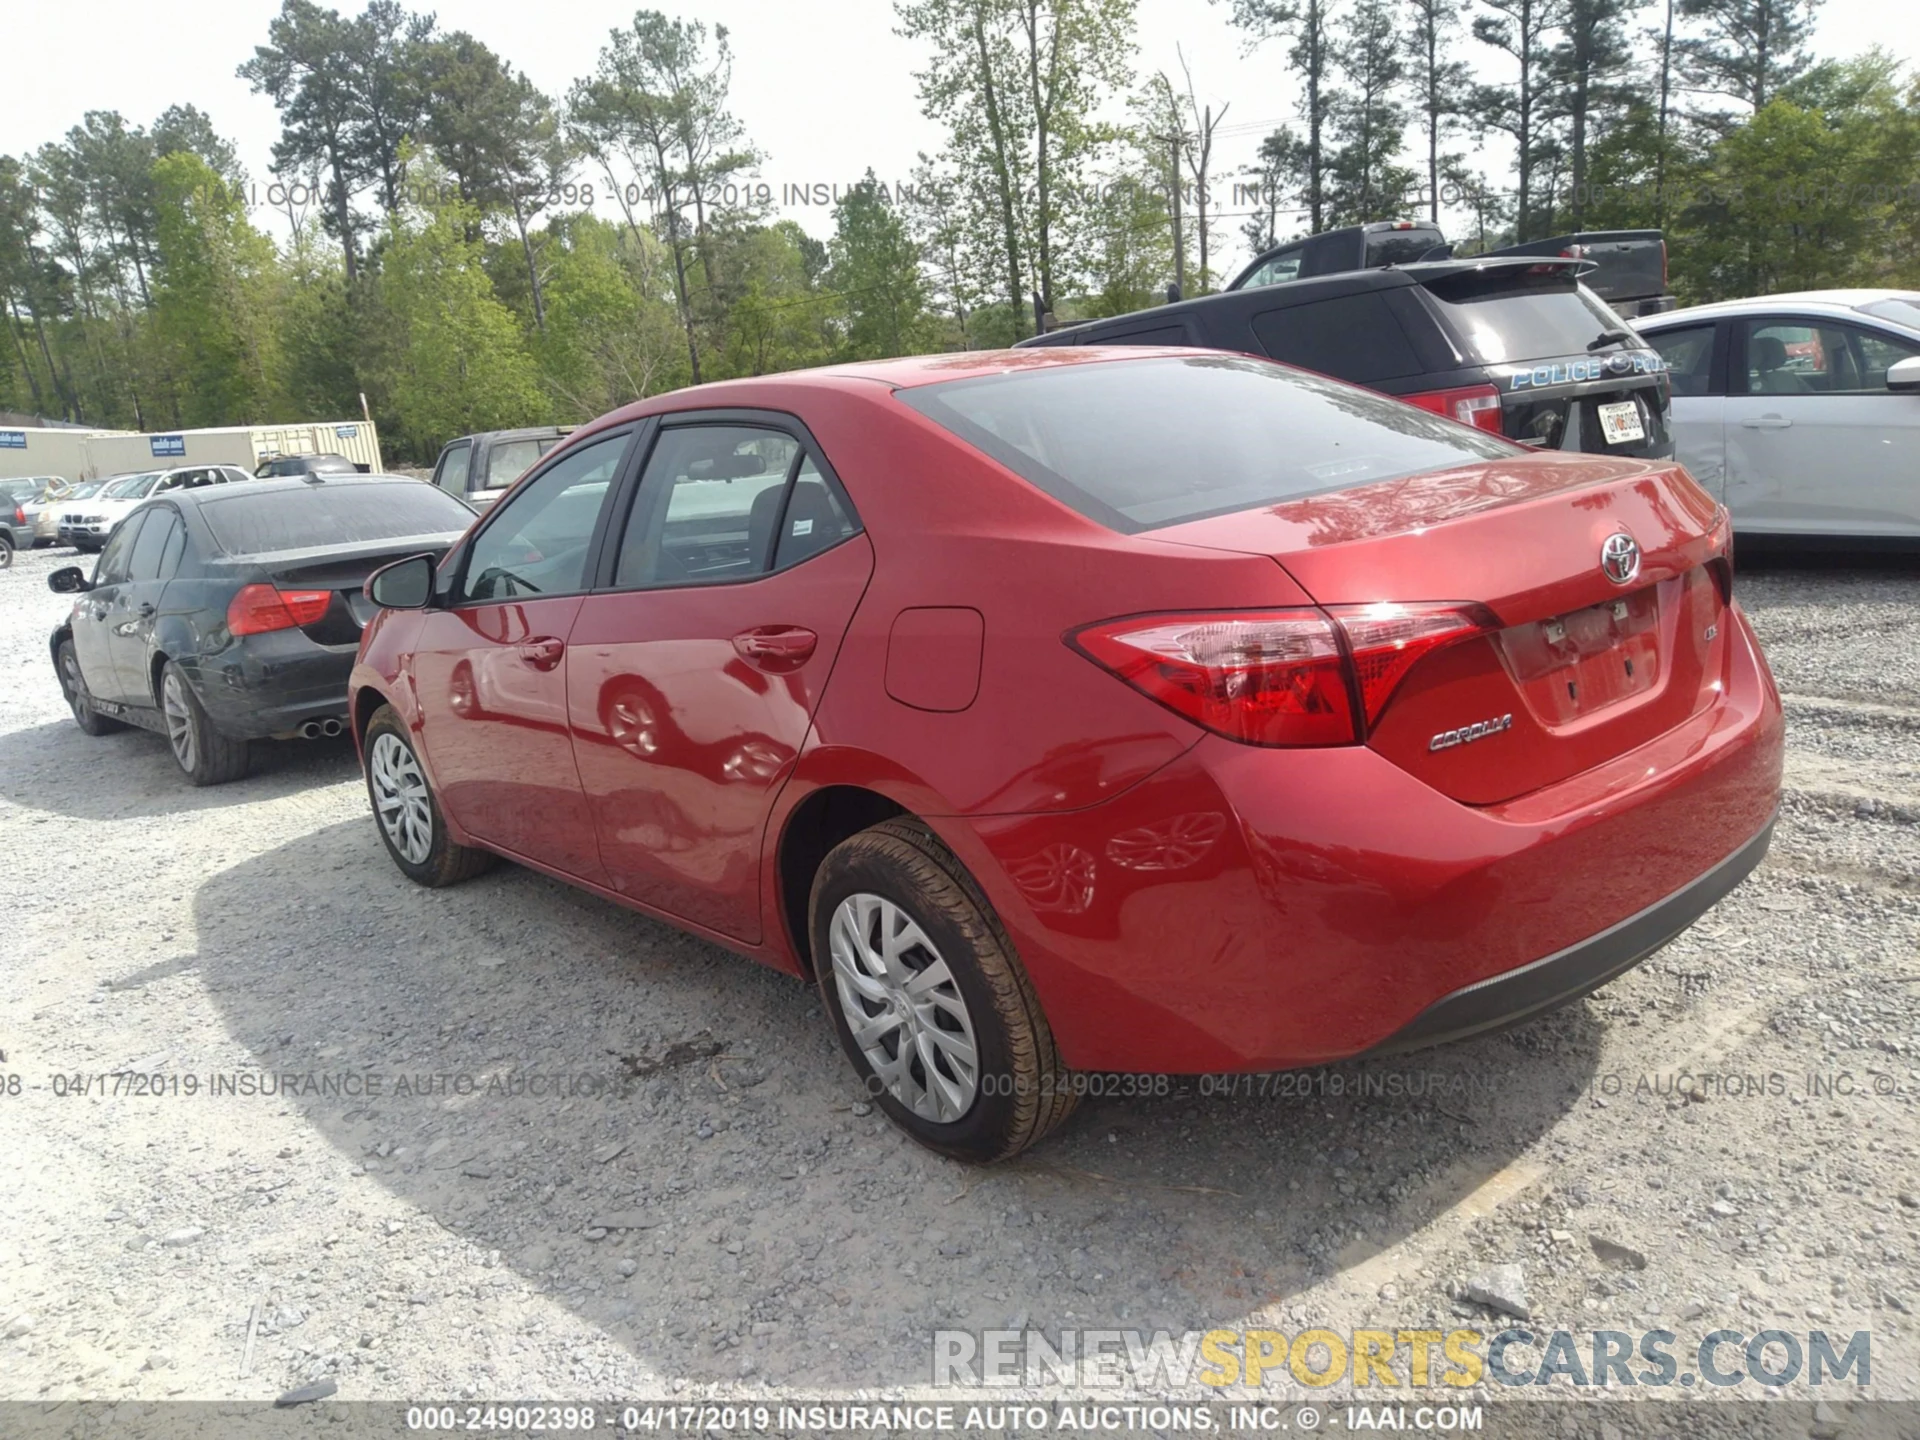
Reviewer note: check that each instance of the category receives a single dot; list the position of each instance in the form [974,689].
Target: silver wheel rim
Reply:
[903,1008]
[76,687]
[173,705]
[400,798]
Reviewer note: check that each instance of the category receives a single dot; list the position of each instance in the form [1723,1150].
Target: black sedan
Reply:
[220,616]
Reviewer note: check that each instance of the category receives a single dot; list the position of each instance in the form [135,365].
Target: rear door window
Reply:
[1351,337]
[1501,317]
[709,502]
[149,551]
[1139,444]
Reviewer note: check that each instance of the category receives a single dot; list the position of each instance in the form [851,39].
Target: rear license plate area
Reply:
[1620,422]
[1573,665]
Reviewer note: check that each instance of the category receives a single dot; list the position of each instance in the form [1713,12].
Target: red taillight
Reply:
[1386,640]
[19,515]
[1264,678]
[1475,405]
[260,608]
[1278,677]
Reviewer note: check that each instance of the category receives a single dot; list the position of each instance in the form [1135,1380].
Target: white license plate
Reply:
[1621,423]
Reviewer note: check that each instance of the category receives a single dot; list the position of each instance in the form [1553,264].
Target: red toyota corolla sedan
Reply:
[1089,710]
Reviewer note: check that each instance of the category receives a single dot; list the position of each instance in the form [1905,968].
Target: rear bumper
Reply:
[1558,979]
[270,685]
[1246,909]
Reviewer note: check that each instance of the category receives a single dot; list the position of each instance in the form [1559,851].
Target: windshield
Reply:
[131,487]
[318,515]
[1138,444]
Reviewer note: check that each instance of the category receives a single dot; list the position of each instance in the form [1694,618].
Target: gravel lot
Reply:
[708,1209]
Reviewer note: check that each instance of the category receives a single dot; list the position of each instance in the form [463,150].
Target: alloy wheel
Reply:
[178,713]
[903,1008]
[400,798]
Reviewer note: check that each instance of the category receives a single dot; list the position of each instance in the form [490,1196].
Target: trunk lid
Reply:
[343,569]
[1575,666]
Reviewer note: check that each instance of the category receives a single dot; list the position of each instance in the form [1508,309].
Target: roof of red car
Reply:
[906,373]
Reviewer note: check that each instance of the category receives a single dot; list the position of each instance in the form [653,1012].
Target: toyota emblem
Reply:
[1620,558]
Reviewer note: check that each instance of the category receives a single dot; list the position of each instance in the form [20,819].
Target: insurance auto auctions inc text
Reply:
[1380,1359]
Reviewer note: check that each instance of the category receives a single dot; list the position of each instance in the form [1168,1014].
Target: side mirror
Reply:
[404,585]
[68,580]
[1904,375]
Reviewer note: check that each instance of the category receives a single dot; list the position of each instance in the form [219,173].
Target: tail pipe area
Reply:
[314,729]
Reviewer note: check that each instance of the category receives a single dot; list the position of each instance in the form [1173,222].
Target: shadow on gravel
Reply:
[695,1108]
[43,761]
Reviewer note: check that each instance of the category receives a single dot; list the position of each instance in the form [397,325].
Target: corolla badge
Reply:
[1467,734]
[1620,557]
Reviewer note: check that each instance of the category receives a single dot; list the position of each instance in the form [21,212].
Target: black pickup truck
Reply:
[1510,344]
[1626,268]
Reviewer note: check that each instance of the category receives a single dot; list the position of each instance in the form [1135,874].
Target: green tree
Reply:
[1747,49]
[1308,24]
[612,335]
[1015,83]
[1439,81]
[448,356]
[875,268]
[1521,30]
[1368,120]
[214,310]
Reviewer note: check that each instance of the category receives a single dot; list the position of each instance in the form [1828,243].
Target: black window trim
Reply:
[455,578]
[780,420]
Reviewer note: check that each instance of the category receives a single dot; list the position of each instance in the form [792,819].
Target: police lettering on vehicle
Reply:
[1597,367]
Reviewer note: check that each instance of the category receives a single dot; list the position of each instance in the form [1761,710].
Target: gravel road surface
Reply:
[608,1160]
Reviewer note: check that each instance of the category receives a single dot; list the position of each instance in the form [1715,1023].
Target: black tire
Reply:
[205,756]
[80,699]
[1021,1088]
[6,552]
[439,862]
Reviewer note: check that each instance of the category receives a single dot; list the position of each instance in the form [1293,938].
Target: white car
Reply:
[38,506]
[1801,412]
[86,524]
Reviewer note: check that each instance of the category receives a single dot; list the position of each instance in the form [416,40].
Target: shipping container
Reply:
[39,451]
[244,445]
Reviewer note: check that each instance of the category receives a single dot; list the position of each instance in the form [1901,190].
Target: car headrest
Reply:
[1769,352]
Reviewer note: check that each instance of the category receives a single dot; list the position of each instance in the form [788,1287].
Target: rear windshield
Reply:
[1401,247]
[1901,312]
[1138,444]
[1509,317]
[315,515]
